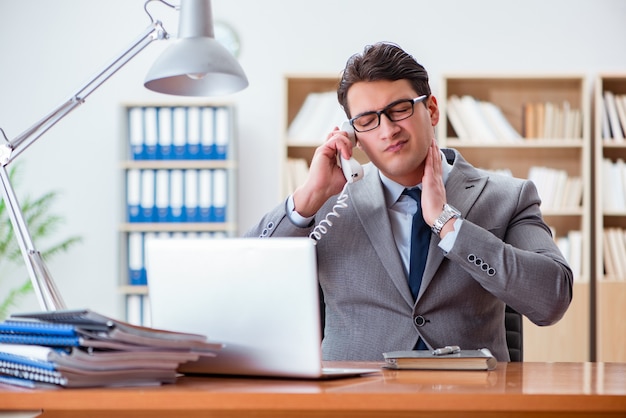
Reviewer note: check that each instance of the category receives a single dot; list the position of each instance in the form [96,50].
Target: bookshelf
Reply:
[610,213]
[179,179]
[569,153]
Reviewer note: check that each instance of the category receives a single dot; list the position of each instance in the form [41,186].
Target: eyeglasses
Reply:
[395,112]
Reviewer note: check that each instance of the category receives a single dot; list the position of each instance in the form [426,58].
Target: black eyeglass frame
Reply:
[384,111]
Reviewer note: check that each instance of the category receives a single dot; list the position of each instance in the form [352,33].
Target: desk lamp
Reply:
[194,65]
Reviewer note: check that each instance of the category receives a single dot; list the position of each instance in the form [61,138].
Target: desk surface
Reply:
[512,390]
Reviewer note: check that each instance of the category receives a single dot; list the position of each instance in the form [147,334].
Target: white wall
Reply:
[50,48]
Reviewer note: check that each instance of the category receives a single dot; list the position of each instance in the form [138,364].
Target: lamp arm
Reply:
[11,149]
[47,293]
[45,289]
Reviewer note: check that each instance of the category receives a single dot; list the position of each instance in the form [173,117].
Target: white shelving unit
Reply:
[207,145]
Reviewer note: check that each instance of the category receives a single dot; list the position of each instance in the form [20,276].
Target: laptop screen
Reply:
[259,297]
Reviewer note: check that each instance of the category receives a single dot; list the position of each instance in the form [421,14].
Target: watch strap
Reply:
[449,212]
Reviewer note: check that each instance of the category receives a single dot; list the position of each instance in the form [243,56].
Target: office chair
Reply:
[512,323]
[514,334]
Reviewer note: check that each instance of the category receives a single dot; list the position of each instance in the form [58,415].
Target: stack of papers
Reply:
[81,348]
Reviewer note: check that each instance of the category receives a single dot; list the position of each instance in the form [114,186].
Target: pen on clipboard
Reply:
[448,349]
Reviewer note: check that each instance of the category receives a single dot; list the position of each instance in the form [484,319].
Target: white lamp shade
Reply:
[196,64]
[196,67]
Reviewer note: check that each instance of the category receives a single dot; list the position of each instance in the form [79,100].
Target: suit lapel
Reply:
[368,201]
[463,187]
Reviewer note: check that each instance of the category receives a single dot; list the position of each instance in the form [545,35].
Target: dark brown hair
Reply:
[381,61]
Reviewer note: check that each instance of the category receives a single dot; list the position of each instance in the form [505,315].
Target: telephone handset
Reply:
[352,170]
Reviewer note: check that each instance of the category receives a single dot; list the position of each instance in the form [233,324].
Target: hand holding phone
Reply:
[352,170]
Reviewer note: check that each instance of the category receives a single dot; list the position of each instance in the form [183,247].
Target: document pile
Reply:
[81,348]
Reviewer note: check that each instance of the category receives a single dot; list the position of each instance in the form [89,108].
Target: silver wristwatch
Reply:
[448,213]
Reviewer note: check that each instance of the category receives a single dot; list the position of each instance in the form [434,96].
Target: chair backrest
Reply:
[512,323]
[514,333]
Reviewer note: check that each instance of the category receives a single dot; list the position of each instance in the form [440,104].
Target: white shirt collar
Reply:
[393,190]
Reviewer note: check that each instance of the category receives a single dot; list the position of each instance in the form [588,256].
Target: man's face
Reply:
[399,148]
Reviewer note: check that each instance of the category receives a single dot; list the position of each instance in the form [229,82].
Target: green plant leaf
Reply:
[41,223]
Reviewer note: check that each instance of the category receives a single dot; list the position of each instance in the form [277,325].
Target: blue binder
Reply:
[179,139]
[205,195]
[165,132]
[207,141]
[222,133]
[220,195]
[162,195]
[133,195]
[194,133]
[136,133]
[151,127]
[146,204]
[176,196]
[191,196]
[136,269]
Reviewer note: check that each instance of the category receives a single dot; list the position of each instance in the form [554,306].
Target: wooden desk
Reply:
[512,390]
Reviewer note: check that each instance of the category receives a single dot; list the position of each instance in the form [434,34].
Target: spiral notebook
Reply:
[258,297]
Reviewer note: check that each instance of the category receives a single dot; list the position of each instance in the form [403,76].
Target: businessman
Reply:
[485,243]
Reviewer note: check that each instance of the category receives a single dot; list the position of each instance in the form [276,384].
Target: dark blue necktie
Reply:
[420,240]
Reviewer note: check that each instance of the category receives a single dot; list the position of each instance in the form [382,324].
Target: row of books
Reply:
[180,132]
[478,120]
[81,348]
[483,121]
[296,173]
[136,243]
[571,247]
[556,188]
[319,114]
[614,243]
[547,120]
[614,185]
[613,117]
[176,195]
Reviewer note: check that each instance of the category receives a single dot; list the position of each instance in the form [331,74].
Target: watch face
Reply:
[227,36]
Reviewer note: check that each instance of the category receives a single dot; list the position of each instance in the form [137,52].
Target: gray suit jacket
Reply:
[503,254]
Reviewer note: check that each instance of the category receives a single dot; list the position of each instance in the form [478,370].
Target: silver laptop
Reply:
[259,297]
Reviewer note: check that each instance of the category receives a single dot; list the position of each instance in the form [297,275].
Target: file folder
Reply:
[147,196]
[136,133]
[191,196]
[136,269]
[162,199]
[165,133]
[207,149]
[220,195]
[179,141]
[193,133]
[176,196]
[205,194]
[133,195]
[151,129]
[222,132]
